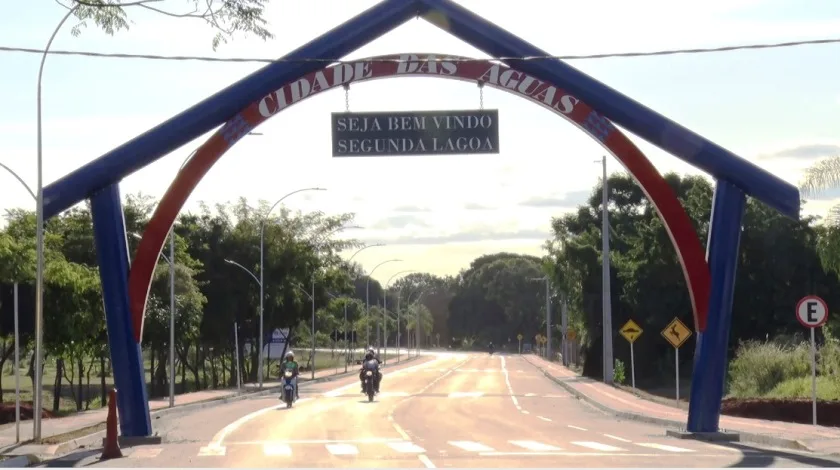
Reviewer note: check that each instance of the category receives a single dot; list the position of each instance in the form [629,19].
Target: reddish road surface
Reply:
[457,410]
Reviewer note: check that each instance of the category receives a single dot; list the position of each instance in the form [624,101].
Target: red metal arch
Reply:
[673,215]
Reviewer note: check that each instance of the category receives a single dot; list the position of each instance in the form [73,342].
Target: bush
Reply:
[759,367]
[619,374]
[828,388]
[828,357]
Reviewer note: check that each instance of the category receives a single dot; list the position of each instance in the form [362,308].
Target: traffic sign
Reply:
[519,336]
[676,333]
[631,331]
[812,311]
[571,334]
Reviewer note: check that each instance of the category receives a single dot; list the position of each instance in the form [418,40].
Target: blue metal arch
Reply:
[736,176]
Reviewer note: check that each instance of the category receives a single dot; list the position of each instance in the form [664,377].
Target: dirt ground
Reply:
[792,411]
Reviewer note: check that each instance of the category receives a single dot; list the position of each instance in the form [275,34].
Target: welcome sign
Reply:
[415,133]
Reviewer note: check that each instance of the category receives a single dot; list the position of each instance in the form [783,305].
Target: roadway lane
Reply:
[458,410]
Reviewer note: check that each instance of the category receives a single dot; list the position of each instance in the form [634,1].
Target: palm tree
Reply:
[823,175]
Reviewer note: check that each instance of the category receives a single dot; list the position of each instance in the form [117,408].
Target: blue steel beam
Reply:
[709,376]
[623,111]
[215,110]
[126,357]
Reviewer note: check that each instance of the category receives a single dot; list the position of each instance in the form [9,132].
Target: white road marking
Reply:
[530,394]
[507,382]
[597,446]
[465,394]
[220,436]
[271,449]
[617,438]
[342,449]
[519,371]
[576,427]
[524,412]
[145,452]
[544,418]
[426,461]
[535,446]
[470,446]
[556,396]
[366,440]
[573,454]
[407,447]
[211,451]
[399,429]
[653,445]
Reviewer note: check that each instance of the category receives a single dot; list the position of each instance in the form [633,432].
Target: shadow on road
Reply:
[757,457]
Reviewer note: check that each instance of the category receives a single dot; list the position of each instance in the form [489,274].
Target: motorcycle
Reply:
[288,388]
[370,390]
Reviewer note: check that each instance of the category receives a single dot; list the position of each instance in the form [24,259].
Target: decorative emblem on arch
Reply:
[496,75]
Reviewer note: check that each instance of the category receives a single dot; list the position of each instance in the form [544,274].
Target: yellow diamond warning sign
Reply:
[676,333]
[631,331]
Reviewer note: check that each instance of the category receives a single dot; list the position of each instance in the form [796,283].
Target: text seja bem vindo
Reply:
[415,133]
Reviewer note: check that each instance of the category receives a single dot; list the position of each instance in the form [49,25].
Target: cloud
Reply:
[472,206]
[400,222]
[570,199]
[410,209]
[471,237]
[805,152]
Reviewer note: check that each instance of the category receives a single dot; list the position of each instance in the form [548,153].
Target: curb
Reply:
[95,439]
[753,438]
[21,461]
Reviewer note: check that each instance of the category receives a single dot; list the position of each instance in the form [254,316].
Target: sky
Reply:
[779,108]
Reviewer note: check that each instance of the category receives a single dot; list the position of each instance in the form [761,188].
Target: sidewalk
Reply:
[90,419]
[819,439]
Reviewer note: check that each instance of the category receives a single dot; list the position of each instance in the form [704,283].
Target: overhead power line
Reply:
[333,61]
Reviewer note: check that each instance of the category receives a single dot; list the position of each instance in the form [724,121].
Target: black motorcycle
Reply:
[288,388]
[370,389]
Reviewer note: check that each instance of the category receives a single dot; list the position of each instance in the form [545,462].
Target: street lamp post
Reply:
[260,284]
[262,273]
[385,311]
[605,278]
[367,299]
[39,246]
[16,318]
[348,262]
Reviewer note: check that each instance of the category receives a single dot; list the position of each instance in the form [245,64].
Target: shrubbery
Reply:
[782,369]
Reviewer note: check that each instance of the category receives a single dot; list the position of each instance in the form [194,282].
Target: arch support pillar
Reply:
[126,356]
[709,376]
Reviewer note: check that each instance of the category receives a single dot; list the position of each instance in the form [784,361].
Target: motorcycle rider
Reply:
[371,363]
[290,364]
[491,347]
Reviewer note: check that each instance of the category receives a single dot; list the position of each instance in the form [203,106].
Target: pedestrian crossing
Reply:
[480,449]
[459,394]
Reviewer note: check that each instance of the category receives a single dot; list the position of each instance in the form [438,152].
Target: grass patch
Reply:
[828,388]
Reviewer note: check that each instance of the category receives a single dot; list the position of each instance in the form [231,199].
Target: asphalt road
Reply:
[455,410]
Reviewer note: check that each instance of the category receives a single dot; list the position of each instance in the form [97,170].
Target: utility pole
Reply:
[605,277]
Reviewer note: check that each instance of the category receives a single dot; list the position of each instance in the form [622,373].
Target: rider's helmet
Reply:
[290,356]
[371,351]
[369,354]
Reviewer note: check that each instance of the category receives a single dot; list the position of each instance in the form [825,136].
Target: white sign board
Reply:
[273,348]
[812,311]
[279,336]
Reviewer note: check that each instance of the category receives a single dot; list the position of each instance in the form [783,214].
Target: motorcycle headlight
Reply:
[369,373]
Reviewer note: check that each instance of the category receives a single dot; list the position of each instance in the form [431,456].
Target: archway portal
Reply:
[483,72]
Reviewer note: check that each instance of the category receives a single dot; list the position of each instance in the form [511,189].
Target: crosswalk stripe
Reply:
[470,446]
[406,447]
[211,451]
[535,446]
[342,449]
[653,445]
[145,452]
[597,446]
[273,450]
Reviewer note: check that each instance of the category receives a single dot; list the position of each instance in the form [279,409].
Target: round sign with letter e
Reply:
[812,311]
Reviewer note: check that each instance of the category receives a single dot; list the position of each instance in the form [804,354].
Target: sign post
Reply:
[236,355]
[812,313]
[676,333]
[631,332]
[519,337]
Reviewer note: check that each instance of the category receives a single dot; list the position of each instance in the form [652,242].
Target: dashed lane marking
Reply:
[576,427]
[617,438]
[653,445]
[426,461]
[406,447]
[597,446]
[471,446]
[544,418]
[535,446]
[342,449]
